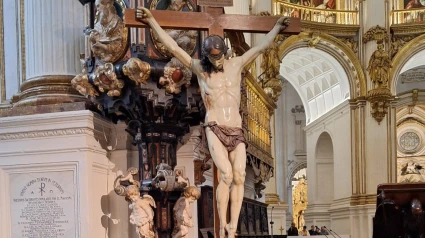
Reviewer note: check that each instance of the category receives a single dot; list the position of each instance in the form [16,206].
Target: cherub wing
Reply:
[150,200]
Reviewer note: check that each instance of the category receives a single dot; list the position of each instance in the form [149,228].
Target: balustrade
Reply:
[340,17]
[408,16]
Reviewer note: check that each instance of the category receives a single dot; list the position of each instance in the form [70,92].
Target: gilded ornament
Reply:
[397,42]
[315,39]
[379,67]
[137,70]
[376,33]
[351,43]
[299,203]
[270,66]
[106,80]
[185,39]
[379,99]
[83,86]
[108,39]
[176,75]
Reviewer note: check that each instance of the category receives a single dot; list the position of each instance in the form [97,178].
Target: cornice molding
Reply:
[47,133]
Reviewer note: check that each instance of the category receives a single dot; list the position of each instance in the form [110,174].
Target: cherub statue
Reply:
[182,213]
[142,212]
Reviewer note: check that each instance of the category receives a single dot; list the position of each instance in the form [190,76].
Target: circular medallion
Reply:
[409,141]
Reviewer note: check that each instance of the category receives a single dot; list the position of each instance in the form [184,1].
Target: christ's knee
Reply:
[239,177]
[227,178]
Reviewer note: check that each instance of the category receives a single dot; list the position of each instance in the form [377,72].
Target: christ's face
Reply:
[217,63]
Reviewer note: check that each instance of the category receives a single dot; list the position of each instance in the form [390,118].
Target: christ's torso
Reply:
[221,93]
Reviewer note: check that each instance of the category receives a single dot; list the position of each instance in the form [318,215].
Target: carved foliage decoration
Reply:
[376,33]
[82,85]
[137,70]
[379,99]
[81,81]
[106,80]
[109,37]
[176,75]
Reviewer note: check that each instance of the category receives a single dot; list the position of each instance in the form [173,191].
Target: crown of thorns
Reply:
[214,47]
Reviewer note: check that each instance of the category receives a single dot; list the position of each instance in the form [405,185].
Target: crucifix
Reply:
[219,80]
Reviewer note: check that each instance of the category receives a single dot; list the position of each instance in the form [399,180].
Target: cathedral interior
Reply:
[103,126]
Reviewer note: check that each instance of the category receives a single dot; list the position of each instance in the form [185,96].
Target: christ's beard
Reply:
[219,69]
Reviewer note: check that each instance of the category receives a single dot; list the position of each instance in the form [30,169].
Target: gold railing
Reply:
[408,16]
[341,17]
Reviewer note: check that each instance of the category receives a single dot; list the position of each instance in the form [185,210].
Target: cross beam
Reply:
[214,21]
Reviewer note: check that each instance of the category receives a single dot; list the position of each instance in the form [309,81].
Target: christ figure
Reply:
[220,83]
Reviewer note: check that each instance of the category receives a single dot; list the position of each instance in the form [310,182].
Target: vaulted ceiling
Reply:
[318,78]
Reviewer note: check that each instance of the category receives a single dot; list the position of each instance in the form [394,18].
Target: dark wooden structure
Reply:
[253,220]
[394,217]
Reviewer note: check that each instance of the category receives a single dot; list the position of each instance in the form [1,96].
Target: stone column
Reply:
[53,42]
[281,168]
[379,138]
[271,196]
[373,156]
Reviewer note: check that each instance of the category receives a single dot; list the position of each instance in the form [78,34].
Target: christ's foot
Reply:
[230,231]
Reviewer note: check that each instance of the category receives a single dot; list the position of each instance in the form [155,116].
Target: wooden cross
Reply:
[215,22]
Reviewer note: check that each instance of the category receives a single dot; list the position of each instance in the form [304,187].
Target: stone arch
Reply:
[324,75]
[336,48]
[414,49]
[299,166]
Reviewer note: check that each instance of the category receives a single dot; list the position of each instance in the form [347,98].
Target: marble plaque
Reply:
[43,205]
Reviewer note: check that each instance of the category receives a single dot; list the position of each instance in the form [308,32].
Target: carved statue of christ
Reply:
[220,83]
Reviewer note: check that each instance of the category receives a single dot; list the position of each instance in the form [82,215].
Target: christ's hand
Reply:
[283,22]
[143,14]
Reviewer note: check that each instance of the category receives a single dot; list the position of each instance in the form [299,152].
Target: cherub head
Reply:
[133,193]
[192,193]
